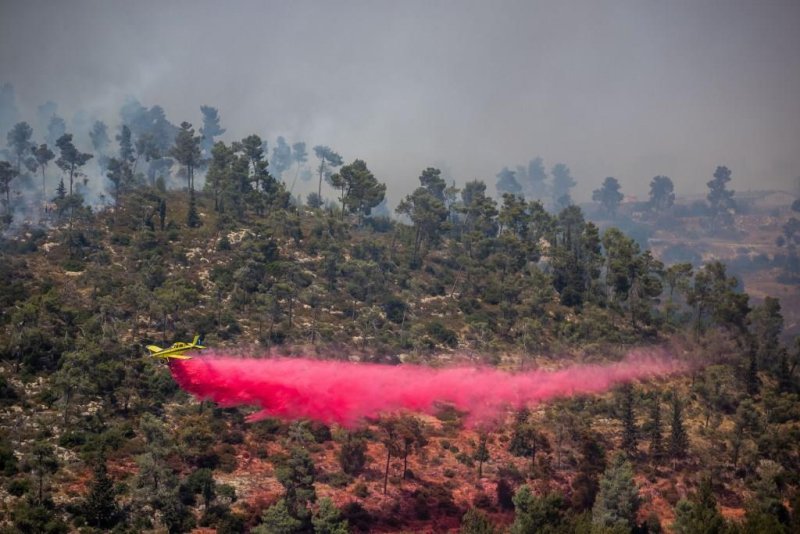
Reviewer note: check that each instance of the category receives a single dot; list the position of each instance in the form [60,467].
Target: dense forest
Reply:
[165,231]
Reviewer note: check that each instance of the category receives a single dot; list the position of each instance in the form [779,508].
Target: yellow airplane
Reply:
[176,351]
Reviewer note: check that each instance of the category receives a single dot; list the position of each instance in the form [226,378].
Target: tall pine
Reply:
[520,445]
[655,431]
[192,217]
[297,477]
[678,440]
[617,503]
[630,436]
[481,453]
[752,382]
[100,508]
[699,513]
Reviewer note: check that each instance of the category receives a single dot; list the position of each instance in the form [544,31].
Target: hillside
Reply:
[512,287]
[755,251]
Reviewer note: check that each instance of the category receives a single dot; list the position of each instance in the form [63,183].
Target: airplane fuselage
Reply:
[176,351]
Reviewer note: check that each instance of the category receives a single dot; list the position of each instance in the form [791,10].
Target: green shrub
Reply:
[321,432]
[465,459]
[358,518]
[352,455]
[338,479]
[72,439]
[482,501]
[227,458]
[234,437]
[73,265]
[8,461]
[442,334]
[120,239]
[19,487]
[361,491]
[266,429]
[7,393]
[395,309]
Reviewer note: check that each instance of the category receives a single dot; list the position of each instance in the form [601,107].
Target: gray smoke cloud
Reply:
[630,89]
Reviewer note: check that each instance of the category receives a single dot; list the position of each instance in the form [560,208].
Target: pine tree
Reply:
[100,508]
[202,482]
[720,199]
[609,196]
[210,128]
[655,431]
[678,440]
[520,443]
[125,140]
[618,500]
[162,213]
[784,374]
[766,326]
[297,477]
[390,440]
[476,522]
[360,190]
[766,511]
[43,460]
[662,194]
[748,425]
[505,495]
[192,217]
[328,160]
[525,440]
[352,455]
[537,513]
[43,156]
[61,195]
[71,159]
[630,433]
[7,174]
[427,213]
[481,453]
[752,382]
[278,520]
[412,436]
[19,141]
[507,182]
[328,519]
[592,464]
[187,151]
[699,514]
[562,183]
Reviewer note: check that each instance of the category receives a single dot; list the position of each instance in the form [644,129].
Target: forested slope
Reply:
[96,434]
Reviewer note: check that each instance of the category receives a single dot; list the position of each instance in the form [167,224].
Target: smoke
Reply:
[346,393]
[152,135]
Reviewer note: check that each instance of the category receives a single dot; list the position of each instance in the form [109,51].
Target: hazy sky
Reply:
[629,89]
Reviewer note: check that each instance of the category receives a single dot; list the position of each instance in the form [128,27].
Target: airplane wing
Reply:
[154,348]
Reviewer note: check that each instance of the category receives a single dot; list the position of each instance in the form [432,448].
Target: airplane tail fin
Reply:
[196,339]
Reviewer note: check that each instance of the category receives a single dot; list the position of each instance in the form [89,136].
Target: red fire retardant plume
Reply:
[345,393]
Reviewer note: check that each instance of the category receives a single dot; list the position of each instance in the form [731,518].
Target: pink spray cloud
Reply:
[346,393]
